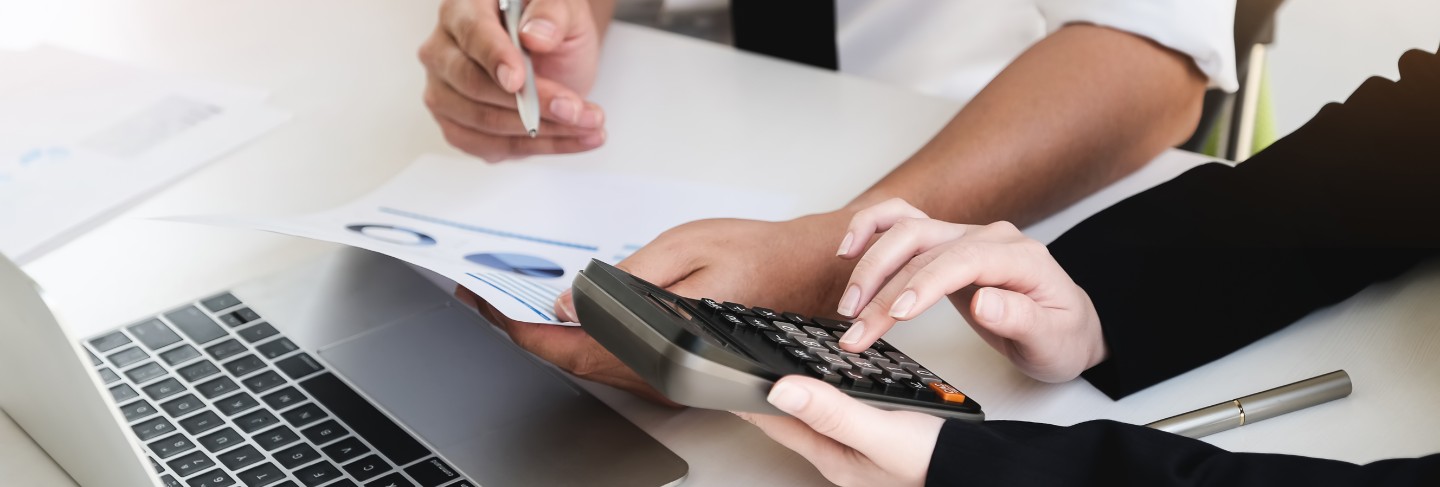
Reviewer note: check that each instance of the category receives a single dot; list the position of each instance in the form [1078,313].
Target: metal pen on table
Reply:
[525,99]
[1259,406]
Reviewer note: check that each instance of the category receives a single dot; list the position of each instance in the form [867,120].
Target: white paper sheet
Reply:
[515,234]
[81,138]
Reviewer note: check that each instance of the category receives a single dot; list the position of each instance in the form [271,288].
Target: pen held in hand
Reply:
[1259,406]
[526,100]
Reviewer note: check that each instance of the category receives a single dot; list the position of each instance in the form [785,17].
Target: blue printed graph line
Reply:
[535,294]
[487,231]
[543,315]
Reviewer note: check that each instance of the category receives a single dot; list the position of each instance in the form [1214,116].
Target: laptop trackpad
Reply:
[491,410]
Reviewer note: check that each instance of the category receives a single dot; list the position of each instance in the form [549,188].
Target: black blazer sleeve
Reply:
[1219,257]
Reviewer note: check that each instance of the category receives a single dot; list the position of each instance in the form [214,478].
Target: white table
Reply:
[677,107]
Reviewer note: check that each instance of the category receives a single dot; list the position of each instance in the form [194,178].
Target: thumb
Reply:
[565,307]
[546,24]
[657,266]
[832,413]
[1007,314]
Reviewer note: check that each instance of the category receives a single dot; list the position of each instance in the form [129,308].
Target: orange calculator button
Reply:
[947,392]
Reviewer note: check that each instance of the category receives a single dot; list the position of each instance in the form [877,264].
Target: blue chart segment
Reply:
[486,231]
[532,295]
[392,234]
[525,265]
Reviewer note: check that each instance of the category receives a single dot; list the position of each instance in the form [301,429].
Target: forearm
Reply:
[1078,110]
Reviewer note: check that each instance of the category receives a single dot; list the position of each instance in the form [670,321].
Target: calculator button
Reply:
[759,323]
[886,384]
[856,380]
[834,361]
[901,358]
[739,309]
[801,354]
[781,339]
[883,346]
[766,313]
[732,320]
[947,392]
[919,390]
[711,305]
[816,332]
[789,328]
[794,318]
[824,373]
[894,370]
[814,345]
[833,325]
[922,374]
[872,354]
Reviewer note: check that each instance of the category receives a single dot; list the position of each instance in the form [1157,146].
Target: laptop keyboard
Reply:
[220,398]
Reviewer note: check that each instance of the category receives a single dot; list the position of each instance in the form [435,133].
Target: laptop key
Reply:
[236,404]
[179,355]
[221,440]
[153,334]
[150,429]
[220,302]
[367,468]
[244,365]
[345,450]
[296,456]
[93,359]
[283,398]
[195,324]
[246,315]
[226,349]
[303,415]
[325,432]
[213,478]
[109,376]
[256,421]
[190,464]
[371,424]
[258,332]
[182,406]
[261,476]
[318,474]
[123,393]
[241,457]
[217,387]
[276,438]
[432,472]
[109,342]
[299,366]
[170,446]
[156,465]
[169,481]
[202,422]
[198,370]
[163,389]
[262,382]
[145,373]
[137,410]
[127,357]
[391,480]
[276,348]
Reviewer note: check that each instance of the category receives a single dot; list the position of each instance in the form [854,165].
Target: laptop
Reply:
[353,370]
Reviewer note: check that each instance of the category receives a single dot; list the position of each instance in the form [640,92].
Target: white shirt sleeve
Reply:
[1201,29]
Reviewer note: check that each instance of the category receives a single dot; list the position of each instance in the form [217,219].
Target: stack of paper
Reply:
[81,138]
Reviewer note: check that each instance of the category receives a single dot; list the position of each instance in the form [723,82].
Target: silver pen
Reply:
[525,99]
[1259,406]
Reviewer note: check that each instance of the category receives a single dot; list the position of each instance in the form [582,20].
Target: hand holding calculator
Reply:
[714,355]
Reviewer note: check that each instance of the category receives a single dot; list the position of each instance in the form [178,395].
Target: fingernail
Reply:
[566,109]
[592,118]
[854,334]
[541,28]
[788,398]
[902,305]
[849,301]
[845,244]
[989,307]
[502,74]
[593,140]
[570,310]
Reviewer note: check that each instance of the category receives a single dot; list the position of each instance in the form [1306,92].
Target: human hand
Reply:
[568,347]
[780,265]
[1013,293]
[851,443]
[473,71]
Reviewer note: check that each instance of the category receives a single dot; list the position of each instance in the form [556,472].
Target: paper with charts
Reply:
[515,234]
[84,137]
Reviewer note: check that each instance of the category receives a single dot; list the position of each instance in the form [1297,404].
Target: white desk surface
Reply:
[347,69]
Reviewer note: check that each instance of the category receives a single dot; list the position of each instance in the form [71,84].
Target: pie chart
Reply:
[525,265]
[392,234]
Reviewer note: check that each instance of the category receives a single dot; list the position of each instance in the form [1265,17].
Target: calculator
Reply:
[726,356]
